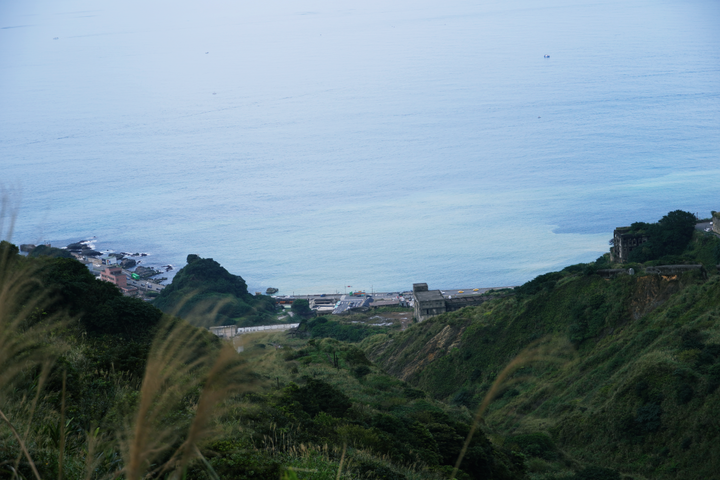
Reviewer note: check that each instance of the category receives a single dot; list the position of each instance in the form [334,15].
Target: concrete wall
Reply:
[229,331]
[673,269]
[263,328]
[226,331]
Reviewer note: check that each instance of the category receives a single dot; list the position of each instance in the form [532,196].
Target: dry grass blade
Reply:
[23,336]
[174,360]
[543,350]
[179,362]
[227,376]
[203,313]
[342,460]
[8,212]
[22,444]
[61,454]
[21,344]
[44,372]
[91,460]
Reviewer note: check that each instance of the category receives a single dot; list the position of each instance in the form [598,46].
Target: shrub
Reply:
[669,236]
[355,356]
[318,396]
[361,371]
[301,307]
[648,418]
[596,473]
[685,393]
[539,283]
[413,393]
[377,471]
[535,445]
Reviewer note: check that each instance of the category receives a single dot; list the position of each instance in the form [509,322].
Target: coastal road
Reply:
[704,226]
[467,291]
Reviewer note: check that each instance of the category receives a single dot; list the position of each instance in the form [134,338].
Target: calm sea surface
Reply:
[313,145]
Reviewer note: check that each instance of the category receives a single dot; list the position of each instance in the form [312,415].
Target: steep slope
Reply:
[635,386]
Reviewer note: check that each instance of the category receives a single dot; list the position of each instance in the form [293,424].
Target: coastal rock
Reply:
[145,272]
[128,263]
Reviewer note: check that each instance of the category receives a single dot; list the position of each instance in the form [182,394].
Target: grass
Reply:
[197,408]
[625,331]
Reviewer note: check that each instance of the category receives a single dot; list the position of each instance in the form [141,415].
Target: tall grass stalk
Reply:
[178,364]
[22,335]
[542,350]
[342,459]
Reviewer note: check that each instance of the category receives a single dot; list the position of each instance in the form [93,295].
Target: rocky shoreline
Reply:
[85,252]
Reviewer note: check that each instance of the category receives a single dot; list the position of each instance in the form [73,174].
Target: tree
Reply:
[301,307]
[669,236]
[205,293]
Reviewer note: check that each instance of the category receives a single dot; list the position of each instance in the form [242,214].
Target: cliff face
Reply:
[633,386]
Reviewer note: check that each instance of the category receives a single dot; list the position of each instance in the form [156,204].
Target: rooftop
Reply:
[429,296]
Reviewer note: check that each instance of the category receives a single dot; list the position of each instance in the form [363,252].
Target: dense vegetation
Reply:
[592,378]
[620,372]
[324,327]
[203,289]
[96,385]
[666,238]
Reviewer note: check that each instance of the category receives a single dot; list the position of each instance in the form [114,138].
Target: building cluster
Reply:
[108,268]
[338,304]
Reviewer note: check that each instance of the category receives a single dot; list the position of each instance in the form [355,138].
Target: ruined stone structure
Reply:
[716,222]
[429,303]
[624,243]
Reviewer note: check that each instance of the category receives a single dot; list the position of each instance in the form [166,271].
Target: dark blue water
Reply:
[319,145]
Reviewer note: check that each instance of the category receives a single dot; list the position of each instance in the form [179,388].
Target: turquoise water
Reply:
[314,145]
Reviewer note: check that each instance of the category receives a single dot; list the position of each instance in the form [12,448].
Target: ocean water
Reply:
[315,145]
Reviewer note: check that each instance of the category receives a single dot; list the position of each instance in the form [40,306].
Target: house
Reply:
[428,303]
[624,242]
[116,276]
[108,259]
[323,305]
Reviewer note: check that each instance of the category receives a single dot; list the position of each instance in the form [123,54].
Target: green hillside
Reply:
[94,385]
[628,379]
[203,289]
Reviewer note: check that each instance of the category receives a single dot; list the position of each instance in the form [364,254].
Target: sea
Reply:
[324,146]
